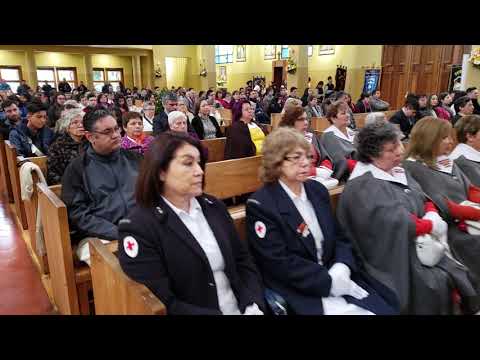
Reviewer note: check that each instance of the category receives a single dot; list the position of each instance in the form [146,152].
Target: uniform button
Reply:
[211,284]
[454,178]
[407,190]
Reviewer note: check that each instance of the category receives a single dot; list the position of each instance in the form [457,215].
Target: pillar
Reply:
[148,72]
[31,70]
[208,55]
[300,79]
[87,60]
[137,71]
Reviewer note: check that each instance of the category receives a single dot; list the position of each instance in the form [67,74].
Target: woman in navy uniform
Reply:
[181,243]
[298,247]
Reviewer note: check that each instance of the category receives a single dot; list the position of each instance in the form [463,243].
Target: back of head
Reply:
[169,96]
[425,138]
[374,117]
[290,115]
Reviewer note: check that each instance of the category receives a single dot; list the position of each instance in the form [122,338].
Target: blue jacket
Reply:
[22,138]
[288,261]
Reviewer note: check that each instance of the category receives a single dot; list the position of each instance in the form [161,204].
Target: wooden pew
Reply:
[320,123]
[31,207]
[226,114]
[275,120]
[5,182]
[70,283]
[15,183]
[229,178]
[114,292]
[360,119]
[216,148]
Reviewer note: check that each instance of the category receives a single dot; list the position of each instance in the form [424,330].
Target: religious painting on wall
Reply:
[222,75]
[241,53]
[455,81]
[372,76]
[270,52]
[326,49]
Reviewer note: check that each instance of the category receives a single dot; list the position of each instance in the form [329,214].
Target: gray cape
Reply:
[438,185]
[383,233]
[470,168]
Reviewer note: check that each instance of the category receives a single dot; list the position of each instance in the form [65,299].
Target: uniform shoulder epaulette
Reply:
[253,201]
[124,221]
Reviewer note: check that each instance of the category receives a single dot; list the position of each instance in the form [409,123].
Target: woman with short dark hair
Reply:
[398,231]
[134,138]
[181,243]
[205,125]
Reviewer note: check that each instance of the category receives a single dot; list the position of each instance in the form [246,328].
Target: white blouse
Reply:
[197,224]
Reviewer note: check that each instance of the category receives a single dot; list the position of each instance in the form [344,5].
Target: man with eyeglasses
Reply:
[160,122]
[31,137]
[98,186]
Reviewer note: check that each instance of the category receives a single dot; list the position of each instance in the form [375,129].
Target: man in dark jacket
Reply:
[82,89]
[160,122]
[31,137]
[405,117]
[64,86]
[47,89]
[422,110]
[463,106]
[98,186]
[11,119]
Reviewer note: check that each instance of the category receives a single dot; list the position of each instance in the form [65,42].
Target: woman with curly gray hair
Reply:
[397,230]
[68,144]
[298,246]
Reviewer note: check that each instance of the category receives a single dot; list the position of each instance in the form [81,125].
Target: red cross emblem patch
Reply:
[130,246]
[260,229]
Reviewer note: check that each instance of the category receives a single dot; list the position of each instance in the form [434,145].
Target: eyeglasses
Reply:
[108,132]
[298,158]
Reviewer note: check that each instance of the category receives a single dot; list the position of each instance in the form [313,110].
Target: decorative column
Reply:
[208,59]
[299,53]
[137,71]
[31,70]
[87,61]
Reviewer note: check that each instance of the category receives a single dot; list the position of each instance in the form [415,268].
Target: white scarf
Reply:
[336,131]
[466,150]
[397,174]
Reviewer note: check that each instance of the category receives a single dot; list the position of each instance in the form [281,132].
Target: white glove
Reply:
[323,172]
[342,284]
[253,310]
[440,227]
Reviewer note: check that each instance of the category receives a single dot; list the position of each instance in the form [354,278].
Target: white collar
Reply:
[336,131]
[397,173]
[444,164]
[194,207]
[466,150]
[291,195]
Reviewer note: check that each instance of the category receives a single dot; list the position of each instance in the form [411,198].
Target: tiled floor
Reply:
[21,289]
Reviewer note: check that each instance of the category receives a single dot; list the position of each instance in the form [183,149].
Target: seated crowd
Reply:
[135,173]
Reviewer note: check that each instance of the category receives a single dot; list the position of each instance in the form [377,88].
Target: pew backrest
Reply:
[229,178]
[216,148]
[15,183]
[320,123]
[59,250]
[275,120]
[5,185]
[114,292]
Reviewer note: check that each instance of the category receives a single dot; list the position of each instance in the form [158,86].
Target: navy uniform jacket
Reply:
[172,264]
[288,261]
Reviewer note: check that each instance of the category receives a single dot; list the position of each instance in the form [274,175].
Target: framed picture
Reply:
[326,49]
[241,53]
[270,52]
[222,74]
